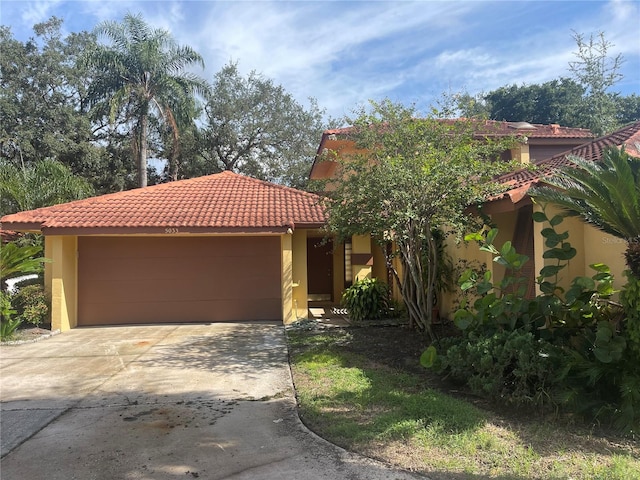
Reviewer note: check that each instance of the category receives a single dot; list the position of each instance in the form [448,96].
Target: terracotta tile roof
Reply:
[224,202]
[536,133]
[502,128]
[520,181]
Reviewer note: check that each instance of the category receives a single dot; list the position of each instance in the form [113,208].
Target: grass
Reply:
[399,417]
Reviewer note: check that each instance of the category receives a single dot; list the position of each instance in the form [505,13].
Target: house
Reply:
[223,247]
[512,213]
[538,142]
[362,258]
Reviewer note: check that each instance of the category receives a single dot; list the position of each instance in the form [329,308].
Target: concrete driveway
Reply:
[162,402]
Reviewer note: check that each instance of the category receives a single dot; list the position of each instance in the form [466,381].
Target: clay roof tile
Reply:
[522,180]
[224,201]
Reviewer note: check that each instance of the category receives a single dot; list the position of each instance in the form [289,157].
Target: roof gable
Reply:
[224,202]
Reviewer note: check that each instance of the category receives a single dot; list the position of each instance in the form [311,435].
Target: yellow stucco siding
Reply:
[361,246]
[473,257]
[379,262]
[48,266]
[286,243]
[62,280]
[506,223]
[299,272]
[521,153]
[601,247]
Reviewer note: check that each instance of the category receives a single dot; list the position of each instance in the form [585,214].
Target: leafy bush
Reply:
[32,304]
[600,378]
[366,299]
[577,347]
[511,366]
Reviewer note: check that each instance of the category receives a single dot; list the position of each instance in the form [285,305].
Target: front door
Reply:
[320,269]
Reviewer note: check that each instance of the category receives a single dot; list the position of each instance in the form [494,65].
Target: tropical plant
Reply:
[606,194]
[8,325]
[17,260]
[366,299]
[141,74]
[568,347]
[43,183]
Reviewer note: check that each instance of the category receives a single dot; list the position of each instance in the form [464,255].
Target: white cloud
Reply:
[344,53]
[38,11]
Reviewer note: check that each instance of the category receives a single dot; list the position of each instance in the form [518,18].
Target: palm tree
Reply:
[140,74]
[606,194]
[44,183]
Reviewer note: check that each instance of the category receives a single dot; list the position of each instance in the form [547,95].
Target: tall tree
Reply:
[255,127]
[627,109]
[43,102]
[556,101]
[412,178]
[141,73]
[597,72]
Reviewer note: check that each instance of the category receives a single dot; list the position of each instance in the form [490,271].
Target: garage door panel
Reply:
[178,312]
[176,267]
[165,279]
[160,290]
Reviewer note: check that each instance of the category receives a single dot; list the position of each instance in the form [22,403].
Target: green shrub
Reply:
[511,366]
[366,299]
[600,378]
[575,347]
[32,304]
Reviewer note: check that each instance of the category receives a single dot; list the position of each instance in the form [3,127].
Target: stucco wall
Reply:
[299,269]
[61,280]
[592,245]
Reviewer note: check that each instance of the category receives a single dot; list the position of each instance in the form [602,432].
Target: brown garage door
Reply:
[178,279]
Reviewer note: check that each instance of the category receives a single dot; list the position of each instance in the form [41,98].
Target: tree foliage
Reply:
[584,100]
[416,175]
[558,101]
[597,72]
[141,74]
[253,126]
[43,103]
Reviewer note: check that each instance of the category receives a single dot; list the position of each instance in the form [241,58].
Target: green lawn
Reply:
[396,416]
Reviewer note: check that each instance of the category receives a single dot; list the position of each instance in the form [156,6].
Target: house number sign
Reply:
[171,230]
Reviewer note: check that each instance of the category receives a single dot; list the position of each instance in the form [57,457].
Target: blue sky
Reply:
[345,53]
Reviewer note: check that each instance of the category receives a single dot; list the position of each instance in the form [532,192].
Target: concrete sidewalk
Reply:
[162,402]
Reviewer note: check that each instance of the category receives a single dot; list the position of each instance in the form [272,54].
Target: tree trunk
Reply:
[632,256]
[413,288]
[142,152]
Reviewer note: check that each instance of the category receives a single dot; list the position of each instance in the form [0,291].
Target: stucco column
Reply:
[287,278]
[521,153]
[299,269]
[62,281]
[361,257]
